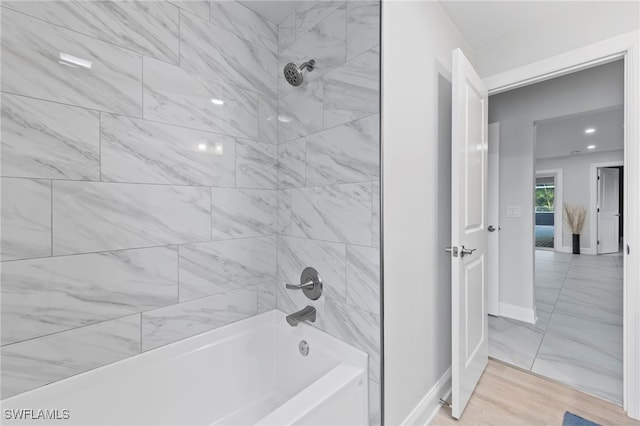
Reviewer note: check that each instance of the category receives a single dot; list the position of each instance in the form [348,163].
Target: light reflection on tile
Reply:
[149,28]
[140,151]
[113,83]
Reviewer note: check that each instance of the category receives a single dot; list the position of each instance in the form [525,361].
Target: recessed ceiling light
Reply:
[591,147]
[590,130]
[66,59]
[284,119]
[217,102]
[202,147]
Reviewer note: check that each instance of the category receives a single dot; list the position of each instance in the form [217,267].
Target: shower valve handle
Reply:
[308,284]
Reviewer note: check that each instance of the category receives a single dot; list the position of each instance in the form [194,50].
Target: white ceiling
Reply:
[482,22]
[272,10]
[560,136]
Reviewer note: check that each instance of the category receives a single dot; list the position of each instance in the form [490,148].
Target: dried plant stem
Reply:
[575,215]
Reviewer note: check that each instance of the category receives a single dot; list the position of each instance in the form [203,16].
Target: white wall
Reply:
[516,111]
[584,23]
[576,175]
[418,38]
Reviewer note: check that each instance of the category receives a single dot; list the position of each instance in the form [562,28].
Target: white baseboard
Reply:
[518,313]
[583,250]
[429,406]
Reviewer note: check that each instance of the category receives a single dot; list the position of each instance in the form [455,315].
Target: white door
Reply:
[468,231]
[493,214]
[608,209]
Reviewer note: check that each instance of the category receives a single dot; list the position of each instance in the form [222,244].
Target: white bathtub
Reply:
[249,372]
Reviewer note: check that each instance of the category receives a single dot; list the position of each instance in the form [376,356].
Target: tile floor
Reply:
[577,339]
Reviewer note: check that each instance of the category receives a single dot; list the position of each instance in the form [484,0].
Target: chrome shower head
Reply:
[293,72]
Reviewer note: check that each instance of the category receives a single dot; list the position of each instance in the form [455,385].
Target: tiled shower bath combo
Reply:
[161,178]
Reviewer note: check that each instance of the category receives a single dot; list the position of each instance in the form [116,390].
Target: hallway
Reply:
[577,339]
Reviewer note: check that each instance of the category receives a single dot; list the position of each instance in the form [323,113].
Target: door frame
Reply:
[557,213]
[593,197]
[627,47]
[493,216]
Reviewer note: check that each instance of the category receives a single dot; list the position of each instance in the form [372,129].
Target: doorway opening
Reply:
[577,335]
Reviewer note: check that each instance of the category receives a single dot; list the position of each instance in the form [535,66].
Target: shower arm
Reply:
[309,65]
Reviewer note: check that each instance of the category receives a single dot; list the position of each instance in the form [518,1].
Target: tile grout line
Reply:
[535,358]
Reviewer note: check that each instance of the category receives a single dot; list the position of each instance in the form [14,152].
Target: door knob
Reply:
[491,228]
[464,251]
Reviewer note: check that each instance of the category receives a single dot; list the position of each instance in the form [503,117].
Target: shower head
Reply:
[293,72]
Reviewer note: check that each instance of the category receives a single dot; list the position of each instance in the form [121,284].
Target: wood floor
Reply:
[509,396]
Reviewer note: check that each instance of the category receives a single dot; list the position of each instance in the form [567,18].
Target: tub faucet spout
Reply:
[306,314]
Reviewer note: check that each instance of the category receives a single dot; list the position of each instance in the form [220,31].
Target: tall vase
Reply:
[576,243]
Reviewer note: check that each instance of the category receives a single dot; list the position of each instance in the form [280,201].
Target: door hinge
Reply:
[598,210]
[598,241]
[627,248]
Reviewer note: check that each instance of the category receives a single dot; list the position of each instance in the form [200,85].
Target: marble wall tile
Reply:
[256,164]
[175,96]
[147,27]
[284,211]
[241,113]
[291,164]
[244,22]
[34,363]
[375,214]
[176,322]
[92,216]
[357,327]
[43,139]
[339,213]
[197,7]
[31,66]
[44,296]
[363,278]
[239,213]
[326,43]
[287,32]
[140,151]
[267,297]
[217,54]
[347,153]
[217,266]
[300,113]
[268,126]
[363,26]
[295,254]
[375,415]
[26,218]
[352,91]
[310,14]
